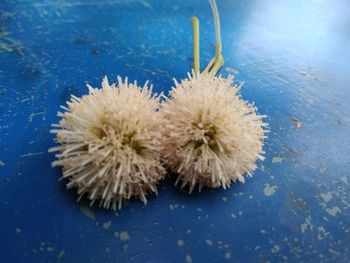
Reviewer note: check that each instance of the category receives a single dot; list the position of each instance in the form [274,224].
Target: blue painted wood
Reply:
[294,58]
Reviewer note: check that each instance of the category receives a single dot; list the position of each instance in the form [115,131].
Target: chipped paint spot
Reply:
[224,199]
[209,242]
[326,196]
[125,248]
[228,255]
[50,249]
[334,252]
[307,225]
[333,211]
[124,236]
[106,225]
[233,215]
[275,249]
[344,179]
[322,233]
[18,230]
[270,190]
[180,243]
[86,211]
[263,231]
[61,254]
[188,258]
[277,159]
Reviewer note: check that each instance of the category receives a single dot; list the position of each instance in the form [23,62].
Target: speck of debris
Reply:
[189,231]
[2,163]
[116,234]
[86,211]
[50,249]
[188,258]
[180,243]
[209,242]
[106,225]
[277,159]
[233,215]
[297,123]
[124,236]
[224,199]
[107,249]
[270,190]
[61,254]
[18,230]
[228,255]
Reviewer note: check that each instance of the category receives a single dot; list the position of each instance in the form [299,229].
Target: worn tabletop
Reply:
[294,57]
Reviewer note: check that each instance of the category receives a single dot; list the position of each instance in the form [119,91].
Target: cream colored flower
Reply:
[211,136]
[110,143]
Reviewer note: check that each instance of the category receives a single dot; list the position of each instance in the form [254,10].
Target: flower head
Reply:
[110,143]
[211,136]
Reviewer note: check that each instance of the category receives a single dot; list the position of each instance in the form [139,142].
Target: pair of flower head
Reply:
[117,142]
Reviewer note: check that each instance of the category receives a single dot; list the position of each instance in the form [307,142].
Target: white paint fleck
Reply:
[277,159]
[50,249]
[233,215]
[180,243]
[18,230]
[61,254]
[326,196]
[263,231]
[275,249]
[2,163]
[323,170]
[333,211]
[322,233]
[188,258]
[240,213]
[228,255]
[106,225]
[224,199]
[344,179]
[124,236]
[86,211]
[209,242]
[270,190]
[307,225]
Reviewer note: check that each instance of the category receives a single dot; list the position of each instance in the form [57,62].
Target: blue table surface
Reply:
[294,57]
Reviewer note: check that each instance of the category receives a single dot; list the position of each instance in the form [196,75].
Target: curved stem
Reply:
[195,27]
[219,60]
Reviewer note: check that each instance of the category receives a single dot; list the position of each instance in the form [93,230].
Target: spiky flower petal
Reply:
[110,143]
[211,136]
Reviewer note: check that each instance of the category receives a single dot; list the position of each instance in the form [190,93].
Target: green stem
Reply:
[219,60]
[195,27]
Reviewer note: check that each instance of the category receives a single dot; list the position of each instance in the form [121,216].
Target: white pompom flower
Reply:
[211,136]
[110,146]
